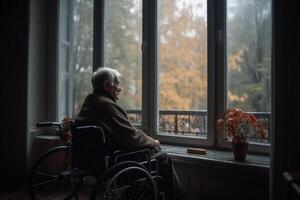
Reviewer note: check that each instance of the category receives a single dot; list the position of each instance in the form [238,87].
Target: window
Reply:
[64,48]
[122,50]
[82,51]
[182,62]
[75,55]
[182,67]
[249,58]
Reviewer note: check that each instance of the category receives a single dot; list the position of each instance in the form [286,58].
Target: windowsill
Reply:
[212,157]
[179,154]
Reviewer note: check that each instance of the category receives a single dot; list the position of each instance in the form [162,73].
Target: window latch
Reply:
[219,35]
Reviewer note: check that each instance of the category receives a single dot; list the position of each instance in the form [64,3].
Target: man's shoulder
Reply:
[99,98]
[105,100]
[93,101]
[105,103]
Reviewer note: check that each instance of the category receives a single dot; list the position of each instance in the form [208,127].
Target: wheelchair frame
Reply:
[122,178]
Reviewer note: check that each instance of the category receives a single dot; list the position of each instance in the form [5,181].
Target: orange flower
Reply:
[236,124]
[66,124]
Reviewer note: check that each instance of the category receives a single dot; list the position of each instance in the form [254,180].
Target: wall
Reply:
[38,76]
[14,61]
[37,63]
[286,107]
[24,76]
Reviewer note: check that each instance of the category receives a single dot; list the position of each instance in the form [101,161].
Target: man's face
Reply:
[114,90]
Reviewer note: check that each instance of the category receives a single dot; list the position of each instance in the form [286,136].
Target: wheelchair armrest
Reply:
[118,152]
[125,153]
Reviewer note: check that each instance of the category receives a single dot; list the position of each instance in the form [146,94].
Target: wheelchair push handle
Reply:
[45,124]
[50,124]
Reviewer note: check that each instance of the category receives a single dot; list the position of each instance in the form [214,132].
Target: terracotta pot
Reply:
[240,150]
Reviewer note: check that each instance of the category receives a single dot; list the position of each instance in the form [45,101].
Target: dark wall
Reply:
[14,59]
[286,101]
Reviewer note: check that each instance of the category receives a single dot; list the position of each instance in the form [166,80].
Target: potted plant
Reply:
[237,124]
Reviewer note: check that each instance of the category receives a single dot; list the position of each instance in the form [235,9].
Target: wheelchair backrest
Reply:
[89,148]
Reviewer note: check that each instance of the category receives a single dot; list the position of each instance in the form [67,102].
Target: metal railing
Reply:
[194,123]
[183,122]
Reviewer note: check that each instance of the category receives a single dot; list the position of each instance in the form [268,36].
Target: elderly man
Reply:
[101,106]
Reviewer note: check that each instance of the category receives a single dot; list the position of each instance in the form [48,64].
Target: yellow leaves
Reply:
[182,57]
[234,60]
[181,88]
[233,97]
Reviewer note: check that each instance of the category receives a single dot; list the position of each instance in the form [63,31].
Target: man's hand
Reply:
[157,142]
[157,146]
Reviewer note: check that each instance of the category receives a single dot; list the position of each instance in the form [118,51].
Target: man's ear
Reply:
[106,85]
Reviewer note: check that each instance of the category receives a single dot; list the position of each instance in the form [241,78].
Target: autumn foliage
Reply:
[236,124]
[182,53]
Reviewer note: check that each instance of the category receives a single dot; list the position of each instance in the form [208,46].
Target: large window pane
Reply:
[249,58]
[64,72]
[182,66]
[123,38]
[83,50]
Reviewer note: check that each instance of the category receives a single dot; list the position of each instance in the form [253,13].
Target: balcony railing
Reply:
[194,123]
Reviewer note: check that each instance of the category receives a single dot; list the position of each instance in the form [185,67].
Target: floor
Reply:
[21,193]
[14,195]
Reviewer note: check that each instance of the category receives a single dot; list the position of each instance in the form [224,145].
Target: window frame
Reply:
[188,141]
[65,9]
[216,69]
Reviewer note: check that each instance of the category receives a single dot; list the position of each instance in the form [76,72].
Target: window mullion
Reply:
[220,64]
[64,56]
[150,107]
[212,69]
[98,48]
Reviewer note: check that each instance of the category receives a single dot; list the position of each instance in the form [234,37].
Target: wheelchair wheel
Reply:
[130,182]
[50,176]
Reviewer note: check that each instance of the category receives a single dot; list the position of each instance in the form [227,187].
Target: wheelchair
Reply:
[123,175]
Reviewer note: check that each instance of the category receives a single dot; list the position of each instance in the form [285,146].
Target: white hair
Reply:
[103,75]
